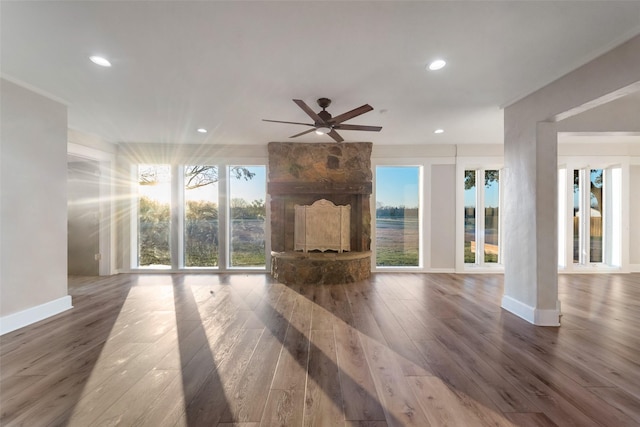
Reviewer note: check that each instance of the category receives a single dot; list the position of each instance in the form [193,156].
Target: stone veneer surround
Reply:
[301,173]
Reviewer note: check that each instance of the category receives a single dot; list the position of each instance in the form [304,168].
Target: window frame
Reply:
[177,212]
[565,220]
[424,218]
[480,165]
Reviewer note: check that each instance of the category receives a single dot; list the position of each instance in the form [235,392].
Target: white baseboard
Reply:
[634,268]
[532,315]
[441,270]
[35,314]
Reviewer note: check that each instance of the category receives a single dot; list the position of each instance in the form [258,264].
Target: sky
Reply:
[395,186]
[491,195]
[253,189]
[398,186]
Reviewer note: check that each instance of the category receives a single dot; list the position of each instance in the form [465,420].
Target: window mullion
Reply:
[585,218]
[480,225]
[223,223]
[175,240]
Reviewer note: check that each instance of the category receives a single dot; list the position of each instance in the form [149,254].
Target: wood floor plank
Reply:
[399,349]
[393,389]
[359,391]
[291,371]
[444,407]
[619,399]
[284,408]
[248,399]
[135,403]
[530,419]
[323,399]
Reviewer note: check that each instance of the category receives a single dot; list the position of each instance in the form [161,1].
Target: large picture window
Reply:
[199,216]
[397,216]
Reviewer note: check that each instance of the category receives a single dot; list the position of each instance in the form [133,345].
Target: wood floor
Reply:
[397,350]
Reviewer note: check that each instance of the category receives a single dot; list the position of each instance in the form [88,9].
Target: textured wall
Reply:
[301,173]
[326,162]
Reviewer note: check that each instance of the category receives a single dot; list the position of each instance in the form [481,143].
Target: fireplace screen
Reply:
[322,226]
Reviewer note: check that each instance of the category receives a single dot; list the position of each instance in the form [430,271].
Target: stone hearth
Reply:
[320,268]
[302,173]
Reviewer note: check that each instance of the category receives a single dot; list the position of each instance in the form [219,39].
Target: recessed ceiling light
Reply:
[99,60]
[202,130]
[437,64]
[438,131]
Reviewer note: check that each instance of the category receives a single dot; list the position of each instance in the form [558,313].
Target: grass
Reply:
[397,243]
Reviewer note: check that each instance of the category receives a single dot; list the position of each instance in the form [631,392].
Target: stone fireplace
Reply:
[303,173]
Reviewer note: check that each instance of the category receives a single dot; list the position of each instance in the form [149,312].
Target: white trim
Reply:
[482,269]
[480,165]
[532,315]
[423,165]
[34,89]
[424,226]
[89,153]
[634,268]
[436,152]
[441,270]
[35,314]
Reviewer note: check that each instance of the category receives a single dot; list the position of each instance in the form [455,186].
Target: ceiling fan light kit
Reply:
[324,123]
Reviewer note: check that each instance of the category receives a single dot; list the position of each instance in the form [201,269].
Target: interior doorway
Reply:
[83,210]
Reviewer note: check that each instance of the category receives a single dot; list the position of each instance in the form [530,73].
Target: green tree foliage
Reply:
[396,212]
[201,217]
[247,232]
[489,177]
[194,176]
[153,229]
[201,234]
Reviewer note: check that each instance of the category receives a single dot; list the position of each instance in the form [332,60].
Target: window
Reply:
[482,216]
[398,216]
[199,216]
[154,215]
[470,216]
[201,226]
[247,214]
[491,216]
[596,216]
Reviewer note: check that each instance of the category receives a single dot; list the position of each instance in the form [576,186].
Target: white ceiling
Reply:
[180,65]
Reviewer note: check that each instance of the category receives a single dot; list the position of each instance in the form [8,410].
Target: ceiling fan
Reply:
[324,123]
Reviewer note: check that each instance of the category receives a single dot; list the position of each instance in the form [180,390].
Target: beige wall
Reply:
[634,215]
[443,219]
[33,203]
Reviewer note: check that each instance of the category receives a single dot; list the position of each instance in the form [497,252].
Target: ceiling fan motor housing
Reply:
[324,102]
[324,115]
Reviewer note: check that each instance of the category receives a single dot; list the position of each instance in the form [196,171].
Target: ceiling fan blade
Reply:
[291,123]
[308,110]
[302,133]
[358,127]
[333,134]
[351,114]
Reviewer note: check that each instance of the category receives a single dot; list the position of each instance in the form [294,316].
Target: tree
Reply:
[199,176]
[489,177]
[194,176]
[595,185]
